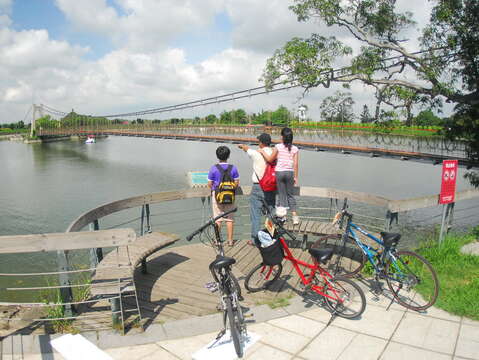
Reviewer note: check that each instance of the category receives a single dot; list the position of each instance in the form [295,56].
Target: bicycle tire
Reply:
[347,261]
[234,327]
[426,279]
[354,301]
[259,278]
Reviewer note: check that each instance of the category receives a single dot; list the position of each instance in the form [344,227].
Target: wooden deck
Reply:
[174,287]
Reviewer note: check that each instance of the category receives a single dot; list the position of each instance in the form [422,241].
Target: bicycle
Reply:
[228,287]
[342,296]
[402,269]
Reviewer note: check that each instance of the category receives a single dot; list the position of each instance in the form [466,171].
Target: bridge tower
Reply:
[36,108]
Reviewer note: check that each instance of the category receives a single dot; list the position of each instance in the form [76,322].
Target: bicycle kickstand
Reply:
[331,319]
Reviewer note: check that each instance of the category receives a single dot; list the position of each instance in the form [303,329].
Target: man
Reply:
[257,194]
[214,180]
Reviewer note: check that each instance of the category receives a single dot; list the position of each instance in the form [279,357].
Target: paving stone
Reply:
[111,339]
[264,313]
[149,351]
[268,352]
[374,321]
[279,338]
[367,347]
[395,351]
[193,326]
[427,332]
[317,314]
[183,348]
[438,313]
[468,342]
[467,321]
[299,325]
[329,344]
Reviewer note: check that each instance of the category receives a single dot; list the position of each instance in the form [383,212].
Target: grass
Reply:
[277,302]
[458,274]
[53,297]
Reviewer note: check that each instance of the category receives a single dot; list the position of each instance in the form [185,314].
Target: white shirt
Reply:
[259,163]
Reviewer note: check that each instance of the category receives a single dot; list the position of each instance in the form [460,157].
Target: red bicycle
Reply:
[341,295]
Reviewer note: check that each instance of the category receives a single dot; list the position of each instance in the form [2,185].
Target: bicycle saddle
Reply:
[222,261]
[390,239]
[322,255]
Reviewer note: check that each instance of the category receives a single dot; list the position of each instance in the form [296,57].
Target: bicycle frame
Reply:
[370,252]
[308,279]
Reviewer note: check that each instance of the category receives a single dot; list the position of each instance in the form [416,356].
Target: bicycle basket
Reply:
[273,254]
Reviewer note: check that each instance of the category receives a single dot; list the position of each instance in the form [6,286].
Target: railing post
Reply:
[96,254]
[145,210]
[66,291]
[390,217]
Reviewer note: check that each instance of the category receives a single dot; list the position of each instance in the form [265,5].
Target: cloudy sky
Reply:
[113,56]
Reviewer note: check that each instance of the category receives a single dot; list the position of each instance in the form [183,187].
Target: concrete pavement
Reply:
[293,332]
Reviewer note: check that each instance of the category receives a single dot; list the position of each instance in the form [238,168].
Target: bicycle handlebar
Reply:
[275,221]
[209,223]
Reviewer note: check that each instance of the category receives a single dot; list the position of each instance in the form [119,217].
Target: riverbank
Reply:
[458,273]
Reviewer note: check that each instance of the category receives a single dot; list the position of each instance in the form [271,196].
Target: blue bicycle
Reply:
[411,279]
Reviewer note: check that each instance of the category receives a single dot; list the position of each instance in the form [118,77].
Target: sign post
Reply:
[448,193]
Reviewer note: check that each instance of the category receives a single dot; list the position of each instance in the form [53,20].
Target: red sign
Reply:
[448,182]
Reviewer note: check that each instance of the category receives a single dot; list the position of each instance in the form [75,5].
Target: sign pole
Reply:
[447,195]
[443,223]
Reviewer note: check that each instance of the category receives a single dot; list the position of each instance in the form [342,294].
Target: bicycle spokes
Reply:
[412,280]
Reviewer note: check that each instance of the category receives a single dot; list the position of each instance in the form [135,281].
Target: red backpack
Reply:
[268,181]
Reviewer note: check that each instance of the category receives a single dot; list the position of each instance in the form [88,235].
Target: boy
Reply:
[214,179]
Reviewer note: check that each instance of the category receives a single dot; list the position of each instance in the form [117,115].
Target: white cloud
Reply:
[145,70]
[140,25]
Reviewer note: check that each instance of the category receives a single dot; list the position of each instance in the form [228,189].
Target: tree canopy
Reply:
[441,64]
[446,64]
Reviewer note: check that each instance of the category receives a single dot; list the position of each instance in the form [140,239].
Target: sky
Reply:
[112,56]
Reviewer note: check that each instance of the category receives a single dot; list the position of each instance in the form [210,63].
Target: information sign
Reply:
[448,181]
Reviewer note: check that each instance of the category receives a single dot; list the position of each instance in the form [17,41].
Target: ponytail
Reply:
[287,135]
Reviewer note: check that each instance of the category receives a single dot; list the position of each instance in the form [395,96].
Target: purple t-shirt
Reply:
[215,175]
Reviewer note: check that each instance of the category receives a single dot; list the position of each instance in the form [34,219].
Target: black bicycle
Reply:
[227,285]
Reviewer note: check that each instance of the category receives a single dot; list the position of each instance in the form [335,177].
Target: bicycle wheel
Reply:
[347,299]
[235,327]
[347,260]
[262,276]
[412,280]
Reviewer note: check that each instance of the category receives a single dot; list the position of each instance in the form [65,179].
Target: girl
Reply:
[287,158]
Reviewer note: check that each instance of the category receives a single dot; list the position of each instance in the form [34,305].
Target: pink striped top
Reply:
[285,157]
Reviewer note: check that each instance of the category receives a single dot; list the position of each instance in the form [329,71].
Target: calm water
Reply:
[44,187]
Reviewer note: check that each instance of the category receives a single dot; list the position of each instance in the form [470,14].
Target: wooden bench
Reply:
[120,264]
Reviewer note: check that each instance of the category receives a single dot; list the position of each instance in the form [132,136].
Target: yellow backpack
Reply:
[225,192]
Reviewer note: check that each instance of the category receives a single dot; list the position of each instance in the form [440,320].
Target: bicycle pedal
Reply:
[212,286]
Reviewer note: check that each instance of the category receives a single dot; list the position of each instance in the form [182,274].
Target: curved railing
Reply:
[97,213]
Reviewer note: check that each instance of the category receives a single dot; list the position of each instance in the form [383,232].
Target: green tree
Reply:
[446,67]
[280,116]
[338,107]
[427,118]
[211,119]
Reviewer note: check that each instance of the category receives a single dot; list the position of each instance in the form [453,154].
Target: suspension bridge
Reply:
[429,149]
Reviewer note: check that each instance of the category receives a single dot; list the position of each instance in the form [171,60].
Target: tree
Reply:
[445,67]
[280,116]
[338,107]
[365,116]
[427,118]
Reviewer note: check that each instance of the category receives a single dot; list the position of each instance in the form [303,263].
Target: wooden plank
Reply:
[66,241]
